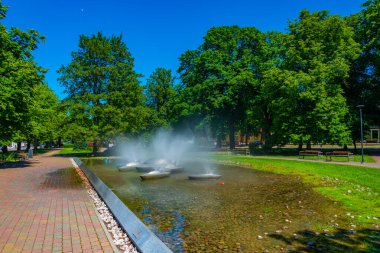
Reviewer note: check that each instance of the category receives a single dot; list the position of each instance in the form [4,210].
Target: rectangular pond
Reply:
[244,211]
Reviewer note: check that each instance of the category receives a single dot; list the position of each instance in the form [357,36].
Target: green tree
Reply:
[363,86]
[104,96]
[44,116]
[304,95]
[160,92]
[223,74]
[19,75]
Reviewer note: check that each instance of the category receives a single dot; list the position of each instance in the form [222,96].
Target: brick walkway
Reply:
[376,157]
[45,208]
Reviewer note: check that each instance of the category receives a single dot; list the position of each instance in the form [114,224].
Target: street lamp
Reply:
[361,129]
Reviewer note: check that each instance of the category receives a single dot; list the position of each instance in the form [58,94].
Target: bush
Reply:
[255,147]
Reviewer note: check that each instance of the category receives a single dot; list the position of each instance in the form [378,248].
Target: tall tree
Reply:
[305,94]
[104,97]
[44,116]
[363,86]
[223,74]
[160,93]
[19,74]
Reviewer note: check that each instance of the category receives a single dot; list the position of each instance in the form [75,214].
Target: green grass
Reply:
[69,145]
[9,157]
[294,154]
[41,151]
[69,151]
[356,187]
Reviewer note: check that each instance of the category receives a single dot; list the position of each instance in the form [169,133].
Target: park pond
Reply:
[246,210]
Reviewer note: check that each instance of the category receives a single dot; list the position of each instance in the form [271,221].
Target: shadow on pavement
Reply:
[18,164]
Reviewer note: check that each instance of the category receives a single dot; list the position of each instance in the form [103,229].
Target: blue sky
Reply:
[156,32]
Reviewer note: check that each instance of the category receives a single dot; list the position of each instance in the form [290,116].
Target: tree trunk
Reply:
[232,135]
[18,146]
[355,146]
[95,147]
[345,147]
[59,142]
[4,149]
[300,146]
[267,144]
[35,144]
[246,136]
[218,141]
[28,145]
[308,145]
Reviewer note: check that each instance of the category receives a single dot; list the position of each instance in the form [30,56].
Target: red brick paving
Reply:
[377,158]
[44,207]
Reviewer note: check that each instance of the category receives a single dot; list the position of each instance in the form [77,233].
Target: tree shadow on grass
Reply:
[79,154]
[364,240]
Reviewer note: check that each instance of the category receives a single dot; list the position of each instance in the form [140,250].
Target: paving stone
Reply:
[45,208]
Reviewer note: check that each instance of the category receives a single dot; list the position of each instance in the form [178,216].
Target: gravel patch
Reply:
[119,237]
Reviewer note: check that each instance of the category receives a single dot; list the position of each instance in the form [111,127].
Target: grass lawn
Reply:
[10,157]
[69,151]
[354,158]
[293,153]
[356,187]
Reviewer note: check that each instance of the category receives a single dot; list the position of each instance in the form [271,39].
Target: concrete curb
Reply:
[144,240]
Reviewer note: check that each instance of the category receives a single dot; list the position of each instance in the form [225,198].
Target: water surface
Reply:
[244,211]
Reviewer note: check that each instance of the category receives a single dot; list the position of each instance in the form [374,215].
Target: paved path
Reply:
[45,208]
[377,159]
[375,153]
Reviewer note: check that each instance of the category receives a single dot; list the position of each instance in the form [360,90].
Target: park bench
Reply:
[242,151]
[347,154]
[304,153]
[2,159]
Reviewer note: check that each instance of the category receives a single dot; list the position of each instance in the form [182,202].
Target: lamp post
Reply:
[361,129]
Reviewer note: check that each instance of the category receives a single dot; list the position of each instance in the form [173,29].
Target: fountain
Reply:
[164,153]
[155,174]
[209,173]
[133,152]
[152,164]
[164,148]
[129,166]
[173,168]
[204,176]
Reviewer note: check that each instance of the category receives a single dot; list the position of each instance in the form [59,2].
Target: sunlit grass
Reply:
[73,152]
[293,155]
[356,187]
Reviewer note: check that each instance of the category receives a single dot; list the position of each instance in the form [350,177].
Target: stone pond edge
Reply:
[143,239]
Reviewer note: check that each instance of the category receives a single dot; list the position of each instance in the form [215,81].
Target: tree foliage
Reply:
[302,99]
[160,91]
[363,86]
[19,76]
[223,74]
[44,123]
[104,97]
[301,86]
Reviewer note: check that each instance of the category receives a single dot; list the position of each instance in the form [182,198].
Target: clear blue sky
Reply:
[156,32]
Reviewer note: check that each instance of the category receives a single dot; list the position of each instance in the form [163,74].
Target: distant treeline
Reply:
[302,86]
